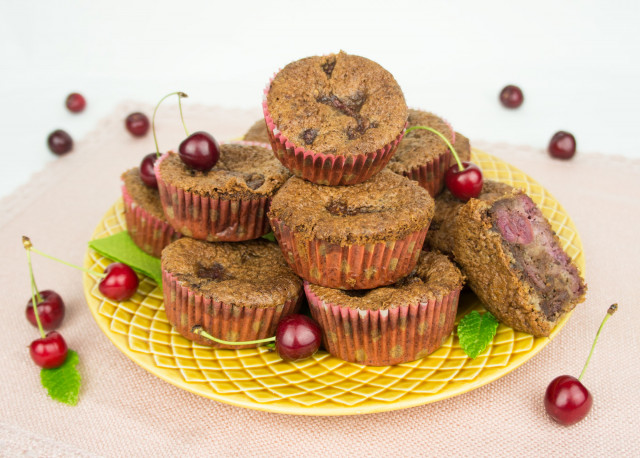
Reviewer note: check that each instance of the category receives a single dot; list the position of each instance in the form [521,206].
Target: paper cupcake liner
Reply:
[384,337]
[147,231]
[186,309]
[431,175]
[326,169]
[351,266]
[212,219]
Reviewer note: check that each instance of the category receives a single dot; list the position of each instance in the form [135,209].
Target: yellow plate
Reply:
[322,385]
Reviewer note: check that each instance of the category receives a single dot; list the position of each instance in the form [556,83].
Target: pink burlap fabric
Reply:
[125,411]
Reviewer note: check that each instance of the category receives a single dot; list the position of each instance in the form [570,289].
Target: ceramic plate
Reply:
[322,385]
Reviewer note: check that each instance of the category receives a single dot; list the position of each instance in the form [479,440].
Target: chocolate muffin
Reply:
[392,324]
[422,155]
[440,235]
[352,237]
[227,203]
[235,291]
[334,119]
[515,264]
[143,212]
[257,133]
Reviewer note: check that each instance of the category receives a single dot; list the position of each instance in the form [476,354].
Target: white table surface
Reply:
[576,61]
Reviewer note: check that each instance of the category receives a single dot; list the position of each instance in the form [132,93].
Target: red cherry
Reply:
[562,145]
[297,337]
[50,351]
[567,400]
[50,310]
[464,184]
[120,282]
[511,96]
[147,172]
[75,102]
[137,124]
[59,142]
[199,151]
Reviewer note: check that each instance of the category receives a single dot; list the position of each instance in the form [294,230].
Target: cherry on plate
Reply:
[465,183]
[119,283]
[297,337]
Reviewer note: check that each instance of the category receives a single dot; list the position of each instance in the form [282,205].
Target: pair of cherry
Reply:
[562,145]
[46,309]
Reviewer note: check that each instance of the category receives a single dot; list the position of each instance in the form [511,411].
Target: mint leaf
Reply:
[121,248]
[475,331]
[63,383]
[269,236]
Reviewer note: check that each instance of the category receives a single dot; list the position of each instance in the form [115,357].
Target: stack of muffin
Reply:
[351,222]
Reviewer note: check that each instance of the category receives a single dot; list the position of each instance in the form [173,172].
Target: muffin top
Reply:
[337,104]
[257,132]
[420,146]
[250,274]
[386,207]
[144,196]
[433,277]
[243,171]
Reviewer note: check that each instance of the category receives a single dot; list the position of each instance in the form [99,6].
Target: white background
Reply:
[576,61]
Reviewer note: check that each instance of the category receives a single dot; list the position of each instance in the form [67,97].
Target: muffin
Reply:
[257,133]
[515,264]
[146,223]
[334,119]
[392,324]
[352,237]
[235,291]
[440,235]
[422,155]
[229,202]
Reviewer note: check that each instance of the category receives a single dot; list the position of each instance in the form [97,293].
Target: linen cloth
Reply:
[126,411]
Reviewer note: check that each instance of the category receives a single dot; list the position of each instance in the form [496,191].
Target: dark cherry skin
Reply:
[562,145]
[567,400]
[511,96]
[59,142]
[199,151]
[464,184]
[75,102]
[137,124]
[297,337]
[50,310]
[147,172]
[49,352]
[120,282]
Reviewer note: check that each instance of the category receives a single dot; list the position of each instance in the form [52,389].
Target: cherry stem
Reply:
[153,118]
[430,129]
[202,333]
[29,247]
[33,295]
[610,312]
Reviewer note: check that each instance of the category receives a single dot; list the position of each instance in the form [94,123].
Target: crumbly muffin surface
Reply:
[386,207]
[144,196]
[420,146]
[242,171]
[434,277]
[252,274]
[337,104]
[257,133]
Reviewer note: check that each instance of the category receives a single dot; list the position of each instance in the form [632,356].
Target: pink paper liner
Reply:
[147,231]
[431,175]
[326,169]
[384,337]
[350,266]
[212,219]
[186,309]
